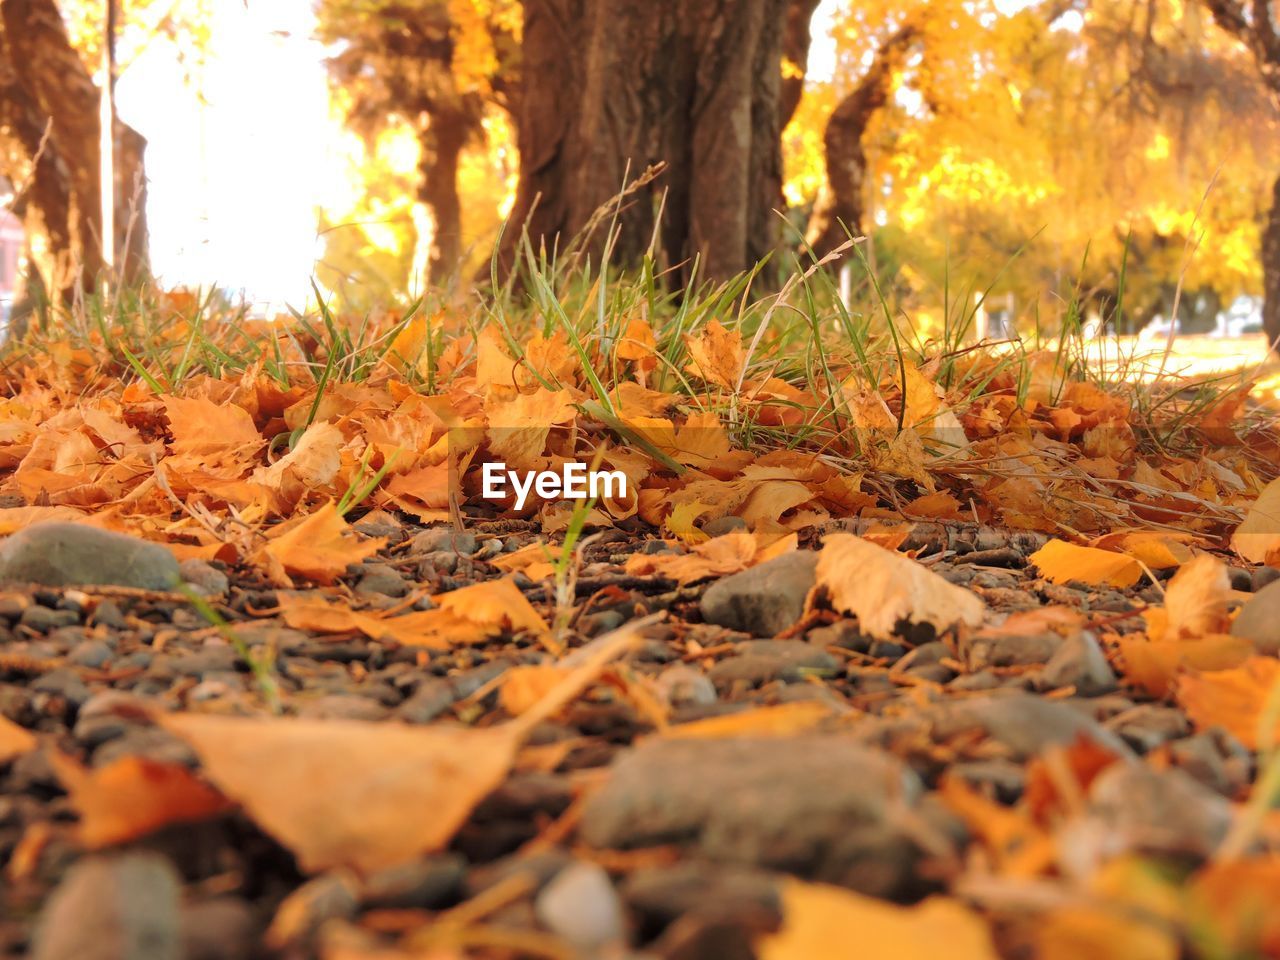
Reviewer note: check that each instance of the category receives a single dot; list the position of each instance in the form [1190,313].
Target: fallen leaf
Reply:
[1132,915]
[1195,601]
[775,721]
[1154,664]
[319,547]
[14,740]
[533,560]
[523,686]
[1159,551]
[1017,844]
[882,588]
[133,796]
[494,604]
[1257,539]
[829,923]
[1233,699]
[344,793]
[728,553]
[1236,900]
[716,355]
[1061,562]
[369,796]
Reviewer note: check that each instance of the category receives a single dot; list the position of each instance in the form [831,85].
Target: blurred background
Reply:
[1093,157]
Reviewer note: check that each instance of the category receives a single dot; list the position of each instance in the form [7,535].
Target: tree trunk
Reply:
[839,205]
[49,127]
[1271,269]
[442,144]
[795,48]
[612,86]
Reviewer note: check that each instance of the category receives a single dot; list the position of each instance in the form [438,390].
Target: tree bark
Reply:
[49,131]
[442,144]
[795,48]
[839,206]
[612,86]
[1271,269]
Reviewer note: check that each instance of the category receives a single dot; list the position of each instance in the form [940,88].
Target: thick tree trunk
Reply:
[1271,269]
[795,48]
[839,207]
[49,129]
[612,86]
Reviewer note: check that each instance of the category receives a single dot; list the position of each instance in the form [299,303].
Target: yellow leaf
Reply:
[828,923]
[1257,539]
[1233,699]
[525,685]
[716,355]
[1155,664]
[1060,562]
[882,588]
[320,547]
[716,557]
[776,721]
[494,604]
[342,793]
[14,740]
[1159,551]
[1195,601]
[133,796]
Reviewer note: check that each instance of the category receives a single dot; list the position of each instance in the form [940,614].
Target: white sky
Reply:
[235,182]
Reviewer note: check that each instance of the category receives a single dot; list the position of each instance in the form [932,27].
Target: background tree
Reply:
[612,86]
[436,66]
[1255,28]
[49,148]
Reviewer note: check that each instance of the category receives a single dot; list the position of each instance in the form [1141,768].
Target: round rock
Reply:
[67,554]
[1259,619]
[763,600]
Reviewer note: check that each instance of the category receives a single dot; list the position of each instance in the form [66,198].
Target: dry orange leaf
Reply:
[1155,664]
[524,686]
[779,720]
[1233,699]
[205,430]
[1157,550]
[343,793]
[134,796]
[1059,562]
[494,604]
[1237,901]
[716,557]
[1257,539]
[419,629]
[319,547]
[716,355]
[882,588]
[829,923]
[346,793]
[533,560]
[1195,601]
[14,740]
[1017,844]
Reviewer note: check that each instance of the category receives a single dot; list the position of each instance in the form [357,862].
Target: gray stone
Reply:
[122,907]
[62,683]
[1148,725]
[91,653]
[1079,663]
[428,884]
[763,600]
[204,577]
[67,554]
[662,895]
[212,658]
[1158,812]
[44,619]
[1004,650]
[444,540]
[1259,619]
[151,743]
[433,696]
[683,686]
[339,706]
[581,906]
[758,661]
[817,805]
[381,579]
[1264,576]
[722,525]
[222,928]
[1022,723]
[843,634]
